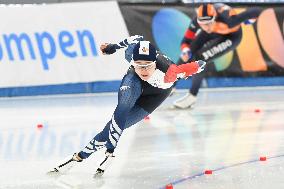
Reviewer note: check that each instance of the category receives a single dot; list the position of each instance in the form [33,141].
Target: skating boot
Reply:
[186,101]
[104,164]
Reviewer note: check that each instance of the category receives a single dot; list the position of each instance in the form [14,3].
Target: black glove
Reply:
[110,49]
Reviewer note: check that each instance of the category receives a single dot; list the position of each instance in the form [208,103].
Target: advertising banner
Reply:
[259,54]
[59,43]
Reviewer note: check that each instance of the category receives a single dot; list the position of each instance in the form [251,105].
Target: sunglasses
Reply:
[143,66]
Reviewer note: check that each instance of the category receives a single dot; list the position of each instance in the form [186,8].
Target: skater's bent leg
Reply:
[98,142]
[137,113]
[129,92]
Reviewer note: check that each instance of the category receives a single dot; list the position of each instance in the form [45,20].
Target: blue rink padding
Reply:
[112,86]
[73,88]
[214,82]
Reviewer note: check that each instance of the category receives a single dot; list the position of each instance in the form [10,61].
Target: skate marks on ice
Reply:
[78,181]
[221,99]
[246,175]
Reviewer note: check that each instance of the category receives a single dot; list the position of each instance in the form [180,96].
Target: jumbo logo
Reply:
[266,39]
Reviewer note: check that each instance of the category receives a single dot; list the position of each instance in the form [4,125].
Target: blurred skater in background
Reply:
[214,32]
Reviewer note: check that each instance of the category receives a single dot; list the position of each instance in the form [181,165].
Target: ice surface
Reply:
[223,133]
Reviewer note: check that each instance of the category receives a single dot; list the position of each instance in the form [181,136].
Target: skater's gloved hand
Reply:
[186,54]
[201,65]
[108,48]
[181,71]
[189,69]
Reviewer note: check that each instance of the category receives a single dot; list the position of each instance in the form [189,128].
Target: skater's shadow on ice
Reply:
[78,182]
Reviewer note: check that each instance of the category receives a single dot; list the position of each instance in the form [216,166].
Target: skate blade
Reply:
[99,174]
[53,173]
[187,108]
[173,108]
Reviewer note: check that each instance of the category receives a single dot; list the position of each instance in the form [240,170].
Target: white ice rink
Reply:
[223,133]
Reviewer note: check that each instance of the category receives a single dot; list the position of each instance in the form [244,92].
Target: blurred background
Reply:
[51,47]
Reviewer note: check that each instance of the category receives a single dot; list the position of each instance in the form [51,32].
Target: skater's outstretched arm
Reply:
[128,43]
[184,70]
